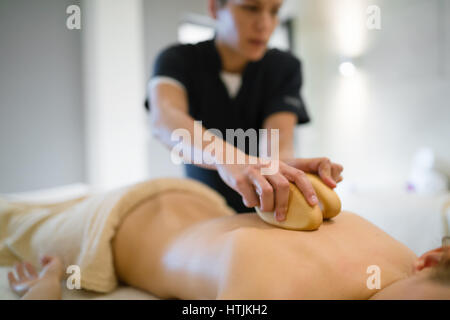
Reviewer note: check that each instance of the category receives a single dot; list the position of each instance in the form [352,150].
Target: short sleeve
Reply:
[286,95]
[171,63]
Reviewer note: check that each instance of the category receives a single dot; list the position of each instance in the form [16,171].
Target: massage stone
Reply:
[300,215]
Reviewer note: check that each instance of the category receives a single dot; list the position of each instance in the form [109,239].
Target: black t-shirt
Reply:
[269,85]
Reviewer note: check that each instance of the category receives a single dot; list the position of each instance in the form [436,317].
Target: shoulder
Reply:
[175,50]
[277,59]
[184,51]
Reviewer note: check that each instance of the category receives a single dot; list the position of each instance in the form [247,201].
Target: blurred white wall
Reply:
[114,84]
[161,22]
[398,100]
[41,103]
[71,102]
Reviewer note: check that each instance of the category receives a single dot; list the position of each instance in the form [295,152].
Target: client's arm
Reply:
[30,285]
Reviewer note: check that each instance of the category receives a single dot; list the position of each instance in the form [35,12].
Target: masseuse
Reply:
[234,81]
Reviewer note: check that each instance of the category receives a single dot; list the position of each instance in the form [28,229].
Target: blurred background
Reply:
[71,101]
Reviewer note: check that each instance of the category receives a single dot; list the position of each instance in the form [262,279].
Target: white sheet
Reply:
[64,193]
[415,220]
[121,293]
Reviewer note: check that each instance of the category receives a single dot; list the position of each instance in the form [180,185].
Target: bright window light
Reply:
[347,69]
[193,33]
[280,38]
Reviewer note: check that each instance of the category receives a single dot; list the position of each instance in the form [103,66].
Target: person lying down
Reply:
[177,238]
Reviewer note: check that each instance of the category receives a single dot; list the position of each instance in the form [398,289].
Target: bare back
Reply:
[179,246]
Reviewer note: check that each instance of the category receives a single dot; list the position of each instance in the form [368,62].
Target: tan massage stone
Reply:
[300,215]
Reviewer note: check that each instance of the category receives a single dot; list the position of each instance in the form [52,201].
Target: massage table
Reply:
[416,220]
[60,194]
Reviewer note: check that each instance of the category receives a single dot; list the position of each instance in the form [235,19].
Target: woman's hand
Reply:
[27,276]
[269,192]
[329,172]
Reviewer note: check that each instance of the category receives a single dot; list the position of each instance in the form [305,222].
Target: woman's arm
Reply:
[268,191]
[169,113]
[285,123]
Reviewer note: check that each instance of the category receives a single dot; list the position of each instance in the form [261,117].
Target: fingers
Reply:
[24,271]
[273,190]
[30,269]
[281,186]
[19,267]
[325,173]
[329,172]
[245,188]
[263,188]
[302,182]
[11,278]
[336,170]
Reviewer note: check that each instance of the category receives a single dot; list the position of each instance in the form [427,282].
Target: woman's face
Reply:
[247,25]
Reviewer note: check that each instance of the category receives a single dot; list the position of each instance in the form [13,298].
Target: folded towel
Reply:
[80,230]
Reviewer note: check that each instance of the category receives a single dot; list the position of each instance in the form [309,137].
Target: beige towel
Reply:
[80,231]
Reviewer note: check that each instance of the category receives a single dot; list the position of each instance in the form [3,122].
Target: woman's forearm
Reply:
[194,141]
[48,288]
